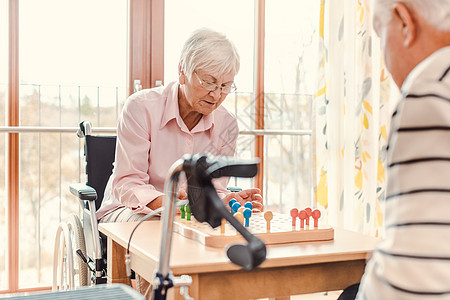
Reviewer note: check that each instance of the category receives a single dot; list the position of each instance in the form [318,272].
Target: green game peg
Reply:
[182,212]
[188,212]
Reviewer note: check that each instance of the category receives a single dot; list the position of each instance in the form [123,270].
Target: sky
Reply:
[67,42]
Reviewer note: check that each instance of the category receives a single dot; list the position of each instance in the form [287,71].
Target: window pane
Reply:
[234,19]
[73,66]
[289,79]
[291,46]
[3,100]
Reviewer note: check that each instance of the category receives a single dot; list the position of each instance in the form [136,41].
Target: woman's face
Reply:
[202,100]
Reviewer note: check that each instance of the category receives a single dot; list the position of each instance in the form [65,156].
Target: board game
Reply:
[279,231]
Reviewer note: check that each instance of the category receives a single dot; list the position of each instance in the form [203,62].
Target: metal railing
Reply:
[255,132]
[281,110]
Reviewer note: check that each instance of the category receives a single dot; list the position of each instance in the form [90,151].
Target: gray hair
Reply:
[210,51]
[436,12]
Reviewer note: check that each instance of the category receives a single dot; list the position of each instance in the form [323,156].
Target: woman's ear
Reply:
[181,75]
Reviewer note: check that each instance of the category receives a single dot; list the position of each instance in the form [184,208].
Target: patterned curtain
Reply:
[351,116]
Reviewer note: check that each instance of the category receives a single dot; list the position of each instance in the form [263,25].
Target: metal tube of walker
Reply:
[170,190]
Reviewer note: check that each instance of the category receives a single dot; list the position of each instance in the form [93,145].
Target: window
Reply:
[73,60]
[290,49]
[73,67]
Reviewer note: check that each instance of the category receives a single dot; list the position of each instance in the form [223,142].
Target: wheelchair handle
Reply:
[85,128]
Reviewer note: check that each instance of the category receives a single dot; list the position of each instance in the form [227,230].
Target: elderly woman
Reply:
[158,126]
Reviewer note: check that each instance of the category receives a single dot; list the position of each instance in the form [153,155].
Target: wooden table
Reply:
[289,269]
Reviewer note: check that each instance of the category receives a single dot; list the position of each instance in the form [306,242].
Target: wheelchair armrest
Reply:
[83,191]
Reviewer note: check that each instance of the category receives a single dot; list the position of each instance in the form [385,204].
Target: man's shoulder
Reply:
[432,75]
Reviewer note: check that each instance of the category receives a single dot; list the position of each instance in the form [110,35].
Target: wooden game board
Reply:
[281,231]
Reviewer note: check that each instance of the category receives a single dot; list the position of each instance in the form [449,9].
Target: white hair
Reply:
[436,12]
[209,51]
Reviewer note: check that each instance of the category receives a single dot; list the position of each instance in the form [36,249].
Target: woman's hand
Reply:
[182,195]
[249,195]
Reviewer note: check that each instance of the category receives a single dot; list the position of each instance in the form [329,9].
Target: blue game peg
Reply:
[235,207]
[248,205]
[247,212]
[231,202]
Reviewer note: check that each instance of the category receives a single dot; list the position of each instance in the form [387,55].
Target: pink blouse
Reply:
[151,136]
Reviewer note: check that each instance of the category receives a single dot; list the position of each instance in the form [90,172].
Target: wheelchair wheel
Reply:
[62,260]
[81,272]
[69,271]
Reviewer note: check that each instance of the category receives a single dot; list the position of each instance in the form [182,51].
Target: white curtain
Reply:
[351,119]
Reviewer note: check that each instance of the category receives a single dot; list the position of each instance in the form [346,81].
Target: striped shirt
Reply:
[413,261]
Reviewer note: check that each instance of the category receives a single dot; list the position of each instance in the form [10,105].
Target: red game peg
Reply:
[294,214]
[316,215]
[308,214]
[302,216]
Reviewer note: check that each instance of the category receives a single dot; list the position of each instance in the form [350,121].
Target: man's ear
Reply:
[404,15]
[181,75]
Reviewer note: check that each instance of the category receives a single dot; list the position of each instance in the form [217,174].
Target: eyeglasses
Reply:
[209,86]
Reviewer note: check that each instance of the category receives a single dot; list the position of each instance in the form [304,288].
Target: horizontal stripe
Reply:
[394,113]
[428,293]
[413,256]
[402,289]
[417,191]
[427,96]
[425,128]
[419,160]
[418,224]
[445,74]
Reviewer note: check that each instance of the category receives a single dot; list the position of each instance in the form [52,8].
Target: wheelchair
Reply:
[80,249]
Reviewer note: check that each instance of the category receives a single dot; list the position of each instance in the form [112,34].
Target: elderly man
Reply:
[413,261]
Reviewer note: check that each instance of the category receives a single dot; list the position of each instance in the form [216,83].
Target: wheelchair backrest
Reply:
[100,153]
